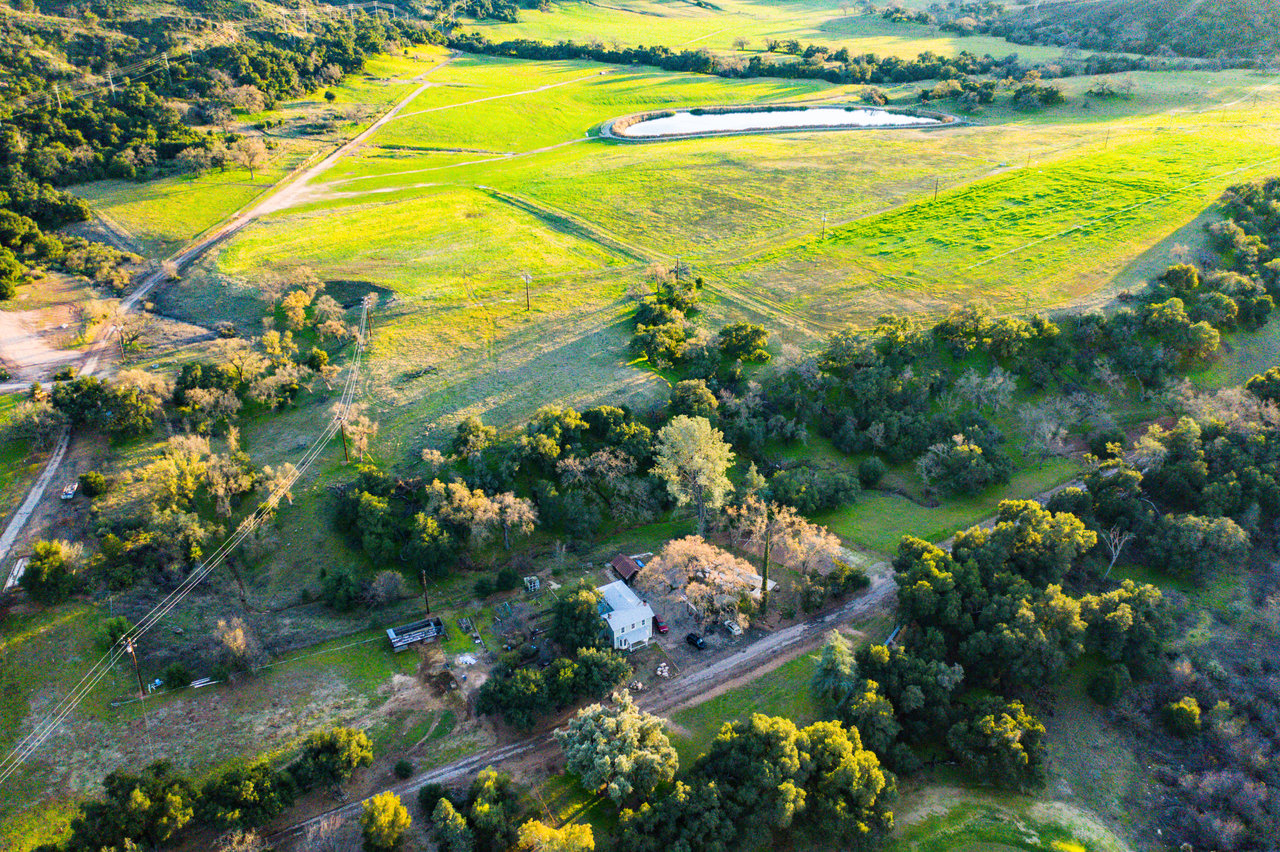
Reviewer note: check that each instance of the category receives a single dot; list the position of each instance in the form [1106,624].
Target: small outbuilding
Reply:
[628,619]
[427,630]
[626,567]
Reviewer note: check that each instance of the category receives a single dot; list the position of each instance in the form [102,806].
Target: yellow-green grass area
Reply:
[1244,355]
[489,105]
[18,465]
[560,800]
[784,691]
[43,656]
[456,326]
[950,819]
[161,215]
[677,24]
[879,520]
[1028,239]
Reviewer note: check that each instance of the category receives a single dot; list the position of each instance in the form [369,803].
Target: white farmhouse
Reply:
[629,619]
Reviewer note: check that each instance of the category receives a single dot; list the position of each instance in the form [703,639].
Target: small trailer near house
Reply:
[426,630]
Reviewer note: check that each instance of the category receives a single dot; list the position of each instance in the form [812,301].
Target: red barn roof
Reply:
[625,567]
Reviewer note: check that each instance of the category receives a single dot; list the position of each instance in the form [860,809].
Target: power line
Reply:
[53,720]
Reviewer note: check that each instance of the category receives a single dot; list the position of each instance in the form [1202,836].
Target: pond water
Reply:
[683,123]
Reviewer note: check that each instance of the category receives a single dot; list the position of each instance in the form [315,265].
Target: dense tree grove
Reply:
[1248,29]
[158,805]
[764,776]
[523,694]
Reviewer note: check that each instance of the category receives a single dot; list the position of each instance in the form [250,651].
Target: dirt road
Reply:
[783,645]
[97,356]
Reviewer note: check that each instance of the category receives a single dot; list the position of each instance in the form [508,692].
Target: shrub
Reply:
[1109,684]
[176,676]
[1100,440]
[93,483]
[404,769]
[429,795]
[871,471]
[1182,717]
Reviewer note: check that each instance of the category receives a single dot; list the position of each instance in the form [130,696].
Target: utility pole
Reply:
[346,456]
[142,694]
[677,269]
[824,226]
[527,278]
[426,602]
[167,75]
[935,189]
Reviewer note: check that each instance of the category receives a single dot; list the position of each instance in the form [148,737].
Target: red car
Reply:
[660,625]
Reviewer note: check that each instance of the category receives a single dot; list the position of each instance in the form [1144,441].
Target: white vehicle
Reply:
[733,627]
[70,491]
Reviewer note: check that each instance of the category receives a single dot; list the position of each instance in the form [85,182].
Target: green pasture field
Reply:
[161,215]
[677,25]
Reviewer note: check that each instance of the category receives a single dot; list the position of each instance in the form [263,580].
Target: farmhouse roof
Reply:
[621,606]
[625,567]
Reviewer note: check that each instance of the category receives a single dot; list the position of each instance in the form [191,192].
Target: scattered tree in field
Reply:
[240,647]
[538,837]
[691,397]
[744,341]
[693,459]
[515,514]
[495,810]
[387,588]
[331,756]
[148,809]
[618,750]
[250,154]
[1196,548]
[383,822]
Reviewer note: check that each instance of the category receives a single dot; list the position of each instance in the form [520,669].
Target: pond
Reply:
[691,123]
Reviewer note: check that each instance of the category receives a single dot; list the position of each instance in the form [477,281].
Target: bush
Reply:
[1109,684]
[65,374]
[813,489]
[507,580]
[176,676]
[871,471]
[483,587]
[1182,717]
[93,483]
[404,769]
[429,795]
[1099,441]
